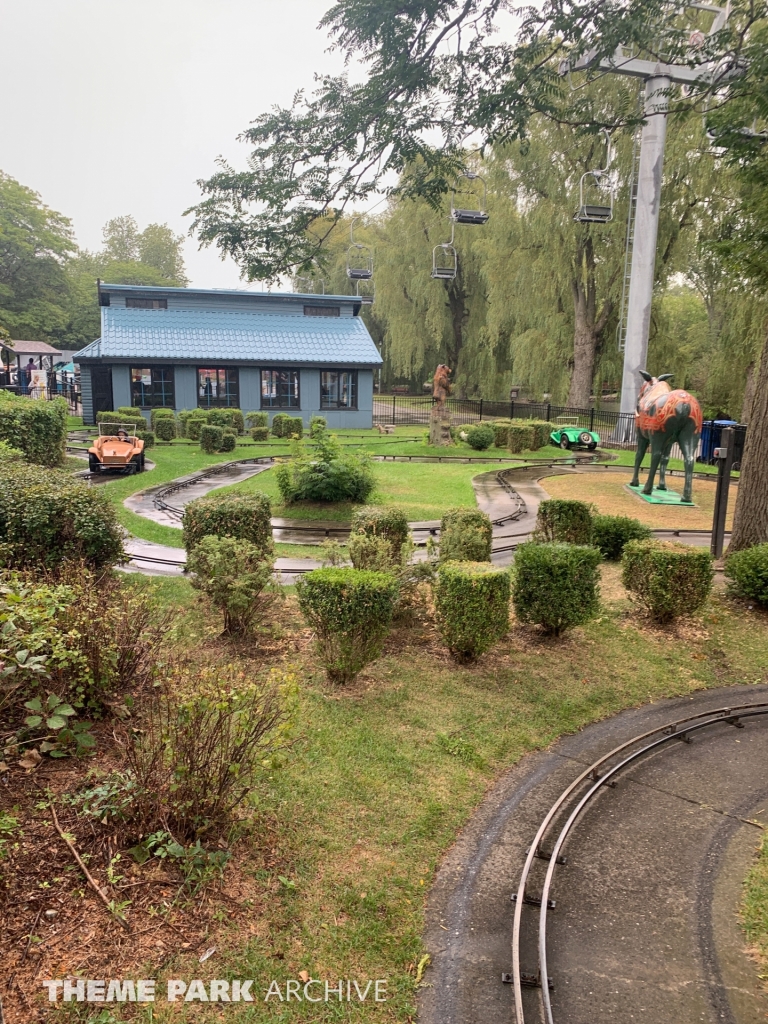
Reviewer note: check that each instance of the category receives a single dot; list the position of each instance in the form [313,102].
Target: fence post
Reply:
[394,399]
[549,411]
[592,418]
[511,408]
[481,410]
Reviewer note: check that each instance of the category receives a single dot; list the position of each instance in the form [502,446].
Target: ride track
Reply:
[679,729]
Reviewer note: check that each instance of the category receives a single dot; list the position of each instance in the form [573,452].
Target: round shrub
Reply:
[234,574]
[385,521]
[165,428]
[480,437]
[260,433]
[472,604]
[747,573]
[325,472]
[465,536]
[148,437]
[611,533]
[669,580]
[244,516]
[520,438]
[161,414]
[257,419]
[350,612]
[47,517]
[560,520]
[228,441]
[34,427]
[210,438]
[555,586]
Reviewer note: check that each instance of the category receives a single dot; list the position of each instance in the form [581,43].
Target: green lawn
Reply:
[383,776]
[754,909]
[627,458]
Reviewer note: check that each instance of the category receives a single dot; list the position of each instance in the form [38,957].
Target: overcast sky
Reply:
[110,108]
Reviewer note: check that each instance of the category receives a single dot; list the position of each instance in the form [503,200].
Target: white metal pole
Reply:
[646,229]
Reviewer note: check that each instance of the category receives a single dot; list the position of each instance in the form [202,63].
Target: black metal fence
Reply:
[616,429]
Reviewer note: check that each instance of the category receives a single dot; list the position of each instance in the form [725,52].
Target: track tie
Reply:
[543,855]
[527,980]
[595,776]
[533,901]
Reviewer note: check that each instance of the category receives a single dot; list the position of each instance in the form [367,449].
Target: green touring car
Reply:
[575,437]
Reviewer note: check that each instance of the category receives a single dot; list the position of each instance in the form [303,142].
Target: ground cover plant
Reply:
[330,856]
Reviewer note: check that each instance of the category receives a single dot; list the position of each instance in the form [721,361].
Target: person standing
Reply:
[29,369]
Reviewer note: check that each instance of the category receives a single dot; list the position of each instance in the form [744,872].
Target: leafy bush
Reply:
[125,416]
[36,428]
[294,427]
[325,472]
[194,426]
[317,426]
[260,433]
[228,441]
[611,533]
[212,734]
[465,536]
[165,428]
[280,423]
[384,521]
[148,437]
[480,437]
[556,585]
[520,438]
[367,551]
[210,438]
[747,573]
[458,433]
[47,517]
[472,605]
[243,516]
[224,418]
[350,611]
[563,521]
[501,432]
[237,576]
[9,454]
[257,419]
[161,414]
[191,414]
[669,580]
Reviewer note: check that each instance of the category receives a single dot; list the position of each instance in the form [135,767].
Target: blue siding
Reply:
[250,389]
[86,394]
[185,387]
[121,386]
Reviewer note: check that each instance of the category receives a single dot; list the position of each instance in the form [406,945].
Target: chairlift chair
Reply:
[464,216]
[366,297]
[596,213]
[359,257]
[445,260]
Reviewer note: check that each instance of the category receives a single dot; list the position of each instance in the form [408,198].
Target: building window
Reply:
[322,311]
[146,303]
[152,387]
[218,388]
[279,389]
[338,389]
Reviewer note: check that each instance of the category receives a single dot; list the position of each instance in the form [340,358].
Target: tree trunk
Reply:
[750,521]
[749,393]
[584,347]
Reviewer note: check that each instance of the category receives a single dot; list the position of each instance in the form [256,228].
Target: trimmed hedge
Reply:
[165,428]
[367,551]
[541,431]
[520,438]
[384,521]
[501,432]
[228,441]
[257,419]
[130,412]
[280,423]
[224,418]
[747,573]
[611,533]
[556,586]
[317,425]
[244,516]
[350,611]
[561,520]
[668,579]
[47,517]
[148,437]
[211,438]
[34,427]
[472,604]
[260,433]
[161,414]
[465,535]
[480,437]
[194,426]
[191,414]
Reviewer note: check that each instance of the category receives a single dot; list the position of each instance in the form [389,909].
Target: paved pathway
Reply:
[645,927]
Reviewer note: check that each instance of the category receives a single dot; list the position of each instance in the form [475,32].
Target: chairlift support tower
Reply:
[659,78]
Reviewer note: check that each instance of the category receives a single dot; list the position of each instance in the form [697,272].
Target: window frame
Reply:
[216,403]
[337,406]
[167,388]
[267,404]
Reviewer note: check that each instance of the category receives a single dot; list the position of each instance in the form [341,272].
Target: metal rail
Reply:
[669,731]
[180,564]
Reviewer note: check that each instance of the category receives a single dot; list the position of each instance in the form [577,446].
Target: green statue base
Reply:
[658,497]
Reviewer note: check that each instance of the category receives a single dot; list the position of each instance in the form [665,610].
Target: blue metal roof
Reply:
[213,293]
[247,336]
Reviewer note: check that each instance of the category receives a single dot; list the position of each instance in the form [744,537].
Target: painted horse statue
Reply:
[664,416]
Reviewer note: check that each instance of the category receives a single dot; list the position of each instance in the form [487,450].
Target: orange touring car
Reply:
[120,449]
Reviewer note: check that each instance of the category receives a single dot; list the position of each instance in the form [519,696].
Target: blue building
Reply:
[184,348]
